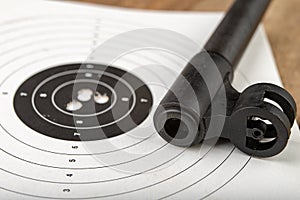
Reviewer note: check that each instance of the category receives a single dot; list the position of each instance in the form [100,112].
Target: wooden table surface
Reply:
[281,22]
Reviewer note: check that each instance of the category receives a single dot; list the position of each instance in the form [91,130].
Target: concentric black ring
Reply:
[36,109]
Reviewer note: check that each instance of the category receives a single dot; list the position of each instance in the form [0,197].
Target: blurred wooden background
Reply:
[281,22]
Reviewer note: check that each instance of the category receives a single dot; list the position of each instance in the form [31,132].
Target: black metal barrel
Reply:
[179,117]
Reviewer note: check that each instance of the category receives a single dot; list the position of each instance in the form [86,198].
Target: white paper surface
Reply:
[36,35]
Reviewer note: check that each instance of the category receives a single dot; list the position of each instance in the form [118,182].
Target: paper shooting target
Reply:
[73,127]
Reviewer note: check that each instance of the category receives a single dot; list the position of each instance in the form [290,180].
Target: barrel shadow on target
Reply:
[120,51]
